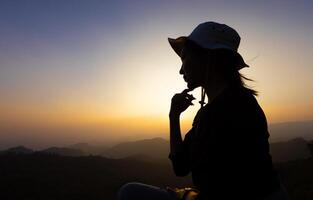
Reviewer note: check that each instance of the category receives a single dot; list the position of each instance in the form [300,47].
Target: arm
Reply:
[176,141]
[180,102]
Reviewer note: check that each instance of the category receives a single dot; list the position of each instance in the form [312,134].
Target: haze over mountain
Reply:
[288,130]
[89,149]
[294,149]
[278,131]
[63,151]
[156,148]
[18,150]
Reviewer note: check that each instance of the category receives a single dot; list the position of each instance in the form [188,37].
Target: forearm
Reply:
[175,134]
[179,103]
[177,155]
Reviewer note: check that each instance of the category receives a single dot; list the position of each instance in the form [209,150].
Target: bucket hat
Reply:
[212,35]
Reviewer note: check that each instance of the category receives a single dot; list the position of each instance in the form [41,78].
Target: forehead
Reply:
[185,51]
[190,52]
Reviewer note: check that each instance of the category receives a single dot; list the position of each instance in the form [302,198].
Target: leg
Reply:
[140,191]
[280,194]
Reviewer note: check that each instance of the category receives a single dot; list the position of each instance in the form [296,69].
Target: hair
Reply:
[225,62]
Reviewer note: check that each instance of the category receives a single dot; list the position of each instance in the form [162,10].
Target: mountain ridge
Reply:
[157,149]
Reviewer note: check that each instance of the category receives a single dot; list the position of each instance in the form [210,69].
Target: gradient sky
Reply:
[103,71]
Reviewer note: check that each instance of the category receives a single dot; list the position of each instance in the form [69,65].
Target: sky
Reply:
[103,71]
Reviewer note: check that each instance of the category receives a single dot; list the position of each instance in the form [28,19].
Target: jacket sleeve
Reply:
[180,160]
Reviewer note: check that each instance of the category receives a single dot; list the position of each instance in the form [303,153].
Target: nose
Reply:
[181,71]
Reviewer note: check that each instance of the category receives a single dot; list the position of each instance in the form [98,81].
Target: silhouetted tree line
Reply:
[43,176]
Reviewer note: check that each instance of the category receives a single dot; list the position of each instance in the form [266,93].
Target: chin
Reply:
[192,86]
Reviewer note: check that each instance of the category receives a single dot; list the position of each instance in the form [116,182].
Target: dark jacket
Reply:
[227,149]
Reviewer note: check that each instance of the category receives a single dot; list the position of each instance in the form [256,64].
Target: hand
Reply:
[180,102]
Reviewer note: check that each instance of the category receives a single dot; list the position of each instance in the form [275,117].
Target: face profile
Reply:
[193,68]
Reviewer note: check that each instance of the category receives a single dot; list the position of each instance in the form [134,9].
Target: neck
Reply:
[215,89]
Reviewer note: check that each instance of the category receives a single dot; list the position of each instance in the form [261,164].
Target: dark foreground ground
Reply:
[92,177]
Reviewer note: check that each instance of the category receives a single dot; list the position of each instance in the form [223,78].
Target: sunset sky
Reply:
[103,71]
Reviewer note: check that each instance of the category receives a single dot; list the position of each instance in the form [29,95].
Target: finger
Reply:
[185,105]
[189,102]
[190,96]
[185,91]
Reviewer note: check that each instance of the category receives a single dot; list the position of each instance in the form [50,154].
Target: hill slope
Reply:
[156,148]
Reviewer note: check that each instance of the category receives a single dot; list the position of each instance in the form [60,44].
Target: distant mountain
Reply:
[18,150]
[289,130]
[156,148]
[294,149]
[62,151]
[81,146]
[89,149]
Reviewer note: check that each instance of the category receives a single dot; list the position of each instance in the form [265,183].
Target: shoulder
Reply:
[242,99]
[240,106]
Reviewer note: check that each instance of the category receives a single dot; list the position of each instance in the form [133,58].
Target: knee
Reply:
[127,191]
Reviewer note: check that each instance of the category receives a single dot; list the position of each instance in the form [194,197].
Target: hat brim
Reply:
[179,43]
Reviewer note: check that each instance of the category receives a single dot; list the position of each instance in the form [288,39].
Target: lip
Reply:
[185,78]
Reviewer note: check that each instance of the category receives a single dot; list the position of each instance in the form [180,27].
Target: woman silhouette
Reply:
[226,150]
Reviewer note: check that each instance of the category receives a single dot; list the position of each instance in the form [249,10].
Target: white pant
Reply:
[140,191]
[280,194]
